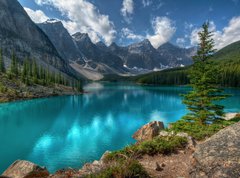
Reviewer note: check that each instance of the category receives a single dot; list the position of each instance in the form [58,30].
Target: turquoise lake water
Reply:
[69,131]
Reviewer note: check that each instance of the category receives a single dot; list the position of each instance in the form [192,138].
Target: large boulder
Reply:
[218,156]
[148,131]
[25,169]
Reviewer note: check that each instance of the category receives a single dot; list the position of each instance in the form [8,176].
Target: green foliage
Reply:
[177,76]
[31,73]
[203,80]
[13,72]
[158,145]
[129,168]
[200,132]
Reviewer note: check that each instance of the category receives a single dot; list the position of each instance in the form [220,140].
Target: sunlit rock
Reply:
[25,169]
[148,131]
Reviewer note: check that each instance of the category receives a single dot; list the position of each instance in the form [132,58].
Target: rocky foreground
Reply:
[216,157]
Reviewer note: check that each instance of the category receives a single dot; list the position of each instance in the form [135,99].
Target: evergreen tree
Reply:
[2,66]
[35,72]
[79,86]
[24,71]
[201,101]
[13,67]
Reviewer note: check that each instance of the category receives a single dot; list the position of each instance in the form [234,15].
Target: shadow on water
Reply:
[68,131]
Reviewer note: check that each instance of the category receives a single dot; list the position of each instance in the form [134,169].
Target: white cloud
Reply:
[127,10]
[84,17]
[127,33]
[188,26]
[37,16]
[146,3]
[164,29]
[222,38]
[181,42]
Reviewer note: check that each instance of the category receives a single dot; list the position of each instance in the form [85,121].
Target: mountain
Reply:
[143,55]
[137,58]
[95,54]
[176,56]
[230,52]
[19,34]
[61,39]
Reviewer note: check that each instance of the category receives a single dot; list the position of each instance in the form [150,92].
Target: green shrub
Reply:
[200,132]
[159,145]
[129,169]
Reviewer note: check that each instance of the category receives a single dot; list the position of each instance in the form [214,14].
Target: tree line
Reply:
[228,77]
[30,73]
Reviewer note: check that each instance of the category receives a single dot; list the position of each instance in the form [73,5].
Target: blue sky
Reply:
[128,21]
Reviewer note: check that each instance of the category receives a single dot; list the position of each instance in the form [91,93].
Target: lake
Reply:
[68,131]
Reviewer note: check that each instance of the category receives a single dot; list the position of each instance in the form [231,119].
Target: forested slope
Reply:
[226,59]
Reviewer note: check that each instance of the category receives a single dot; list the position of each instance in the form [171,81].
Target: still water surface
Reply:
[69,131]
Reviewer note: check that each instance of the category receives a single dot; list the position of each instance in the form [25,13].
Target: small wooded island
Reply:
[43,60]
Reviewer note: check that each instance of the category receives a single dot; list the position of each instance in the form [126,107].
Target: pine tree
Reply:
[13,67]
[201,101]
[79,86]
[24,71]
[2,66]
[35,72]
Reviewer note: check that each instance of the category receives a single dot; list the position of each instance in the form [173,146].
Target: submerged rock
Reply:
[148,131]
[218,156]
[25,169]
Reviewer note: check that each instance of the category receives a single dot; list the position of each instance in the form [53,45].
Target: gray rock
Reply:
[158,167]
[148,131]
[25,169]
[218,156]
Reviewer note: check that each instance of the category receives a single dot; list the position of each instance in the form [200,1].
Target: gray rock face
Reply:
[61,39]
[148,131]
[19,34]
[218,156]
[96,53]
[144,55]
[176,56]
[25,169]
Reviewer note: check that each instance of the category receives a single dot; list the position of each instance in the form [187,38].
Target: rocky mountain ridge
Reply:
[136,58]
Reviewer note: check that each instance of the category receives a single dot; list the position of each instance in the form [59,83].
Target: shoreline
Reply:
[39,92]
[180,162]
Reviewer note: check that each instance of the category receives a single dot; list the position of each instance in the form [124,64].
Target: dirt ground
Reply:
[172,166]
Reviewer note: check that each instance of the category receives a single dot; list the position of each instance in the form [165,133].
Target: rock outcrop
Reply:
[148,131]
[230,116]
[218,156]
[25,169]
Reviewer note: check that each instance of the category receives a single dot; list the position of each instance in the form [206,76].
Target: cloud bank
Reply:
[164,29]
[37,16]
[222,38]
